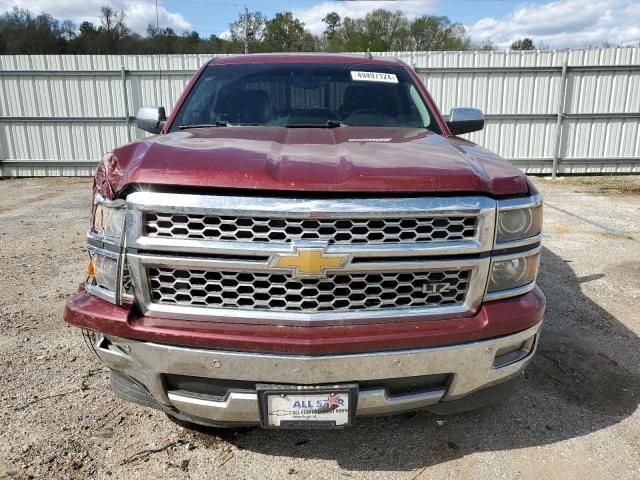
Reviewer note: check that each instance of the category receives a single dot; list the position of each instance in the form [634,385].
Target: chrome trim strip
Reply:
[264,249]
[236,407]
[139,202]
[306,208]
[524,202]
[525,242]
[512,292]
[471,366]
[138,265]
[103,293]
[212,264]
[526,253]
[104,239]
[103,251]
[379,402]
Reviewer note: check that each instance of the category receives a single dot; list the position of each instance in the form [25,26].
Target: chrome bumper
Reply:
[471,366]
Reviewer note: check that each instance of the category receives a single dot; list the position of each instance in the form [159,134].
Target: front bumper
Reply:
[142,369]
[493,319]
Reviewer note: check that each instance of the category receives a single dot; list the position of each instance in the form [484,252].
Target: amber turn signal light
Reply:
[91,269]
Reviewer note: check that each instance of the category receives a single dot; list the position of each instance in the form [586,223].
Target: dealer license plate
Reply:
[283,406]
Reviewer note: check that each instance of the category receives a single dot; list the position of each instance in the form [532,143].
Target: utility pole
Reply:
[246,30]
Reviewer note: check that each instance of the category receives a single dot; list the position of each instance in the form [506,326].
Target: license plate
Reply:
[283,406]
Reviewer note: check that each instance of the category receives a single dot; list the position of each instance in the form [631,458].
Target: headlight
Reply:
[105,249]
[518,222]
[103,267]
[108,218]
[512,272]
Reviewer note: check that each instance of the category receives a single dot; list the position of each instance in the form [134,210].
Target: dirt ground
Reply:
[575,417]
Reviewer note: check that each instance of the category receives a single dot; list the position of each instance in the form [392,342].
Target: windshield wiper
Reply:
[327,124]
[217,123]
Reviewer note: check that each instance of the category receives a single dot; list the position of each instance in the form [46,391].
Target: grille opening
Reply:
[280,292]
[333,231]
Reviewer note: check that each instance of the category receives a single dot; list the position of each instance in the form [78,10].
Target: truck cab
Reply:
[306,240]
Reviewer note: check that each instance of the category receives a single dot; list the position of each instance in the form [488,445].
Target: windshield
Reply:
[305,95]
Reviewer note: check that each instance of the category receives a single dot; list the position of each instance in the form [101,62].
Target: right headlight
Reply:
[108,219]
[513,274]
[105,249]
[103,268]
[519,219]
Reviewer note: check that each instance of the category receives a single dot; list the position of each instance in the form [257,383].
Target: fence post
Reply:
[125,100]
[560,112]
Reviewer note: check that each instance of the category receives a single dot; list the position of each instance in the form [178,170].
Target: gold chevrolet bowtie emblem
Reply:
[309,262]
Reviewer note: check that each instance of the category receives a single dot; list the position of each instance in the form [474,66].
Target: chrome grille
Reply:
[218,257]
[333,231]
[280,292]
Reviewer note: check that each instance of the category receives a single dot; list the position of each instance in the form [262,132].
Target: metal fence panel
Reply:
[60,113]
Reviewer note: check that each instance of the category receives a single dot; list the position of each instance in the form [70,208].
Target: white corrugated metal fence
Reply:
[577,110]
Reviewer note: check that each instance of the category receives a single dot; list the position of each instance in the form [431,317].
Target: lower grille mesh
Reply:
[280,292]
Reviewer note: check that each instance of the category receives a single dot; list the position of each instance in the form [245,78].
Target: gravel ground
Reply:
[576,415]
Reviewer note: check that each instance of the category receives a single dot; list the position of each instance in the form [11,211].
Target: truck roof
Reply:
[305,58]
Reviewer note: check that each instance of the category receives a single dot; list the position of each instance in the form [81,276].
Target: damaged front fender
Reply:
[109,178]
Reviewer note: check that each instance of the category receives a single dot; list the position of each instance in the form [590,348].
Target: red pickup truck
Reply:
[304,241]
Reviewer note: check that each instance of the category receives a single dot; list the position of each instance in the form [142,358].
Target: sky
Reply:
[554,24]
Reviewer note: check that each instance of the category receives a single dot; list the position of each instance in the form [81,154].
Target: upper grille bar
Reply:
[251,226]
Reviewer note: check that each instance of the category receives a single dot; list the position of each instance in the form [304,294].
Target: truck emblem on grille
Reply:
[308,262]
[431,288]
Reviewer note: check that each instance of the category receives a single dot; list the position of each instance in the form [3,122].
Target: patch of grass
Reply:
[629,185]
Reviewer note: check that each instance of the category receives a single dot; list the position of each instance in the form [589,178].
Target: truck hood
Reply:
[344,159]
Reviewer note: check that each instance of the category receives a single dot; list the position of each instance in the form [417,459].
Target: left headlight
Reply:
[509,273]
[519,219]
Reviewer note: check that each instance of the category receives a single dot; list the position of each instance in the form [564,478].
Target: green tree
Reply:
[379,30]
[112,29]
[352,36]
[252,26]
[332,20]
[285,33]
[386,30]
[331,34]
[438,33]
[23,33]
[523,44]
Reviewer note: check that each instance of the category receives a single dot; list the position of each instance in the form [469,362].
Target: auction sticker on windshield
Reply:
[307,408]
[374,77]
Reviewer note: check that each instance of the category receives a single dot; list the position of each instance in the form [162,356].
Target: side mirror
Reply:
[151,119]
[465,120]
